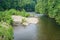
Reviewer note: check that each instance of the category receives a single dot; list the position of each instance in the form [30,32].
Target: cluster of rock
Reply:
[23,20]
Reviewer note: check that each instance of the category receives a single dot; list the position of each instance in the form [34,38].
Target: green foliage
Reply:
[5,21]
[6,31]
[49,7]
[29,5]
[17,12]
[24,13]
[11,12]
[54,9]
[6,17]
[17,4]
[41,6]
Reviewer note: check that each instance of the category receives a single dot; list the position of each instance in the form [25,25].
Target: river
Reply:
[45,29]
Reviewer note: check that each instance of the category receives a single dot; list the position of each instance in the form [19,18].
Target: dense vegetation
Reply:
[19,7]
[6,15]
[9,8]
[6,31]
[28,5]
[50,8]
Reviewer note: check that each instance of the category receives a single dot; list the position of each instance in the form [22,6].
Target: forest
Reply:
[50,8]
[21,7]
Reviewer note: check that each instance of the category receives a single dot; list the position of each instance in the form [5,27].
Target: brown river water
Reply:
[45,29]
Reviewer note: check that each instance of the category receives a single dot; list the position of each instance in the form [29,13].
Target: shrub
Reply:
[49,7]
[6,17]
[17,12]
[12,12]
[54,9]
[6,31]
[41,6]
[24,13]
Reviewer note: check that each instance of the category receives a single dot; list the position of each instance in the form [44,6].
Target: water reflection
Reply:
[25,32]
[47,29]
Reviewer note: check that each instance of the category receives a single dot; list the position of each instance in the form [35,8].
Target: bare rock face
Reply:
[32,20]
[17,20]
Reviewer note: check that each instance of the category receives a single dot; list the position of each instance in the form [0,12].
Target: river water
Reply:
[45,29]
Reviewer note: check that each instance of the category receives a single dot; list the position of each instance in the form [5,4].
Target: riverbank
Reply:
[45,29]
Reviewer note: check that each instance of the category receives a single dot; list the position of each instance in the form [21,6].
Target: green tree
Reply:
[49,7]
[16,4]
[41,6]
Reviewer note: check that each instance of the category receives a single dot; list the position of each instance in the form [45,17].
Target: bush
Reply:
[54,9]
[49,7]
[41,7]
[24,13]
[6,31]
[6,17]
[17,12]
[12,12]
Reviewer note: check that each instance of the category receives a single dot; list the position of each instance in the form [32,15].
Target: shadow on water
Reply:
[47,29]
